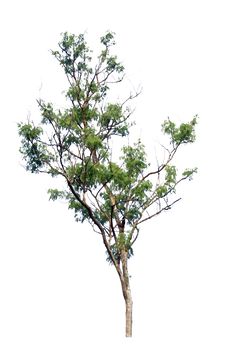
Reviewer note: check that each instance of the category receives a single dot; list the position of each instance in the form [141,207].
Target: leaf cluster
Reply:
[185,133]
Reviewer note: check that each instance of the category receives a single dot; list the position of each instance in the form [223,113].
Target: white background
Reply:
[57,293]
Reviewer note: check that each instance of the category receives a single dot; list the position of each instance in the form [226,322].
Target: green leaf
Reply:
[185,133]
[170,177]
[54,194]
[161,191]
[108,39]
[189,173]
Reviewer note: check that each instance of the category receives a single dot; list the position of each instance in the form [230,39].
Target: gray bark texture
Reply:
[127,295]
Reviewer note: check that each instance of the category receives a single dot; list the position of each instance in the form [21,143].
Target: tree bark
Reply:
[128,313]
[127,295]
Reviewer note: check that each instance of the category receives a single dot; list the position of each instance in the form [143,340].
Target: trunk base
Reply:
[128,314]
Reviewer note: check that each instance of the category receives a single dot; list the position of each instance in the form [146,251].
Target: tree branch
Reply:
[98,224]
[158,212]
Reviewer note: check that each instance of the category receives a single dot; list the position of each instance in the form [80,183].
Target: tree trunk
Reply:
[128,313]
[127,295]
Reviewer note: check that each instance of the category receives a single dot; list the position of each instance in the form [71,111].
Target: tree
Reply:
[114,195]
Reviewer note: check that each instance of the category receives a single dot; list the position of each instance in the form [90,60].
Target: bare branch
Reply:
[158,212]
[136,237]
[131,97]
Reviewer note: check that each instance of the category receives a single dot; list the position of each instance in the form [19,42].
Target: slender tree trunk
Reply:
[128,313]
[127,295]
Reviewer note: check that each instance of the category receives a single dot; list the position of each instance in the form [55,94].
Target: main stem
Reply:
[127,294]
[128,314]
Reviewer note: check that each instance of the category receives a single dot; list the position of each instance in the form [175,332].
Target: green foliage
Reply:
[122,244]
[81,214]
[108,40]
[29,131]
[189,173]
[112,121]
[140,191]
[73,55]
[91,140]
[161,191]
[34,152]
[134,159]
[54,194]
[114,196]
[185,133]
[47,112]
[170,177]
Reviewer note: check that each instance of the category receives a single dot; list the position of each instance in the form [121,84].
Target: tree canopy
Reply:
[114,195]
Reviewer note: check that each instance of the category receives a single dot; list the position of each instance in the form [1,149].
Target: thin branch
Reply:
[131,97]
[158,212]
[136,237]
[98,224]
[161,167]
